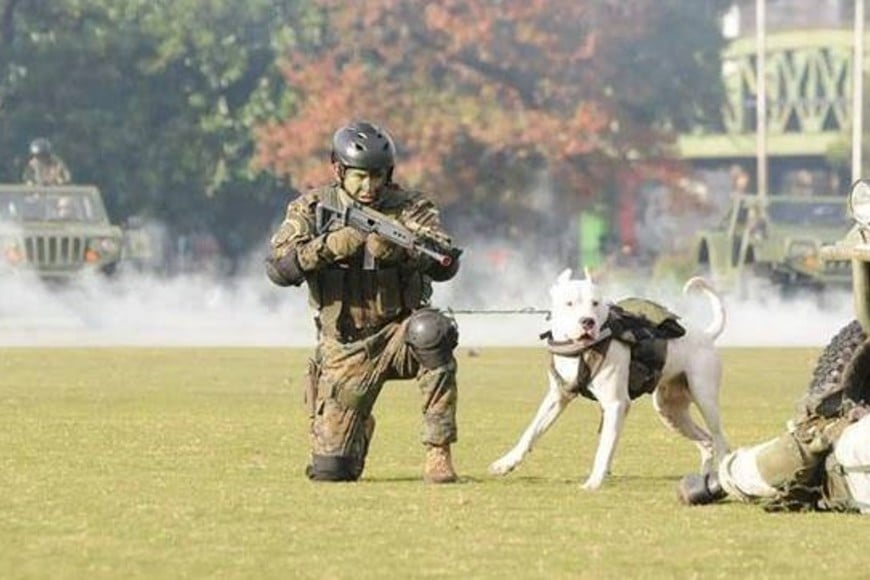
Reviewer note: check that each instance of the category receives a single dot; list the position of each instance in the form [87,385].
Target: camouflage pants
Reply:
[351,376]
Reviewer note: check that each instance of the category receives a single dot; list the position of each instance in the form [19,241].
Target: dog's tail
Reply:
[717,325]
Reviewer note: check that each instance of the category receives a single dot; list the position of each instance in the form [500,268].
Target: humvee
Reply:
[56,232]
[776,239]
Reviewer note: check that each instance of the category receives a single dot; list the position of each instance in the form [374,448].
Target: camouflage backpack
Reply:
[646,327]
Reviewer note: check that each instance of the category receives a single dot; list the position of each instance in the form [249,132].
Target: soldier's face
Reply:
[364,185]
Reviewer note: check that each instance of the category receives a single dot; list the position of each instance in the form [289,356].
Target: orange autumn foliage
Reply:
[533,79]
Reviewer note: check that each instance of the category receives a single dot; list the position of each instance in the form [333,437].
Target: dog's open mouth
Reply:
[586,337]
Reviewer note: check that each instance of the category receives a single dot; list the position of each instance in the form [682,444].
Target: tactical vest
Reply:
[354,303]
[644,326]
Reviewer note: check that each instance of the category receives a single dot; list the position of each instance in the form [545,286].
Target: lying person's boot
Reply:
[700,489]
[439,465]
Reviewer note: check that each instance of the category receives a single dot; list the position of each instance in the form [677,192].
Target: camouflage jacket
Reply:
[51,172]
[354,302]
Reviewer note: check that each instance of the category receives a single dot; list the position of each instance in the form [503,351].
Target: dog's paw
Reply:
[501,467]
[592,483]
[707,466]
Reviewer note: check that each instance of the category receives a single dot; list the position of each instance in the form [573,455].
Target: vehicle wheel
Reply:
[838,362]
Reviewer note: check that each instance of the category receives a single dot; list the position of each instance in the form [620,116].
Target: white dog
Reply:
[692,373]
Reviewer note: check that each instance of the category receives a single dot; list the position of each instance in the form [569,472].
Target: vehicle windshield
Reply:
[71,206]
[808,213]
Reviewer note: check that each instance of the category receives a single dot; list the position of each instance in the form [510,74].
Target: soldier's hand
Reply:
[381,248]
[345,242]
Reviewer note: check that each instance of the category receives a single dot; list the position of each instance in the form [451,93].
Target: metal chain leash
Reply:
[526,310]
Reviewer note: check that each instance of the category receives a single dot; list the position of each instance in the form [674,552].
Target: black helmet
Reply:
[363,145]
[40,147]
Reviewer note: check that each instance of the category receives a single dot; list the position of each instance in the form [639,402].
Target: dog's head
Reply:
[578,310]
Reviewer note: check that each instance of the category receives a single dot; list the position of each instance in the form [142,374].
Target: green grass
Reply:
[187,463]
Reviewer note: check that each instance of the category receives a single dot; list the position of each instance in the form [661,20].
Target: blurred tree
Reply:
[483,95]
[152,100]
[159,101]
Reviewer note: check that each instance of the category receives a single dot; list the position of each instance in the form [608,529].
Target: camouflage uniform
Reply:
[362,321]
[46,171]
[820,463]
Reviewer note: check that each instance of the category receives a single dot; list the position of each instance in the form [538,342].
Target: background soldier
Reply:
[373,319]
[65,209]
[43,166]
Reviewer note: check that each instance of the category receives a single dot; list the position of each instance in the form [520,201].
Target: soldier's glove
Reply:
[345,242]
[382,249]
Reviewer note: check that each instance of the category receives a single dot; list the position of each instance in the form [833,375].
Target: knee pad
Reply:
[432,337]
[333,468]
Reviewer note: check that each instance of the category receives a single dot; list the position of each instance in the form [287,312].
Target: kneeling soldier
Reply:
[372,301]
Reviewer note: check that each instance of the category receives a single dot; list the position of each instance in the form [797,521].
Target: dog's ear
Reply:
[564,276]
[587,273]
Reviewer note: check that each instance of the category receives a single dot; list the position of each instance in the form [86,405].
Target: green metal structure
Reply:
[809,80]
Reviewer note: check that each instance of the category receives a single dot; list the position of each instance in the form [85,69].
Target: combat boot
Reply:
[439,465]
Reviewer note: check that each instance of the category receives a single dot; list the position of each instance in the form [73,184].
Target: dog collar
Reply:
[573,347]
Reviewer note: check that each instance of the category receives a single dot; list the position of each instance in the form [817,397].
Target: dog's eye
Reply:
[595,303]
[569,303]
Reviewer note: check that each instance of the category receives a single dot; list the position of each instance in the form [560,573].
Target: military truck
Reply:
[56,232]
[776,239]
[844,365]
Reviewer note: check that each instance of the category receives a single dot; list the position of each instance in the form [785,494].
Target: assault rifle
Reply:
[367,220]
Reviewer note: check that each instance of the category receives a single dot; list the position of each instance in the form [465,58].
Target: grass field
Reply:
[187,463]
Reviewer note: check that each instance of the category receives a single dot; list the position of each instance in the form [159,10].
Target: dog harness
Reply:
[643,325]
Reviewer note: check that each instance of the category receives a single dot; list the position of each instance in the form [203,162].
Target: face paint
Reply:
[363,185]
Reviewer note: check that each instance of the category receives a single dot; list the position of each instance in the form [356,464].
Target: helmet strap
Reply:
[339,169]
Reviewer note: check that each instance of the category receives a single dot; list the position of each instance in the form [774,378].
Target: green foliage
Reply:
[152,100]
[155,463]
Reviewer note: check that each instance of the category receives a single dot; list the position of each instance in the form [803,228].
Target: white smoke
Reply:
[139,310]
[769,320]
[147,310]
[136,309]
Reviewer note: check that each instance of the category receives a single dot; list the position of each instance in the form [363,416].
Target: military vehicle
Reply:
[56,232]
[776,239]
[844,365]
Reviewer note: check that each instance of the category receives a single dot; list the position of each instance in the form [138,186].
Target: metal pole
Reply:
[858,91]
[761,97]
